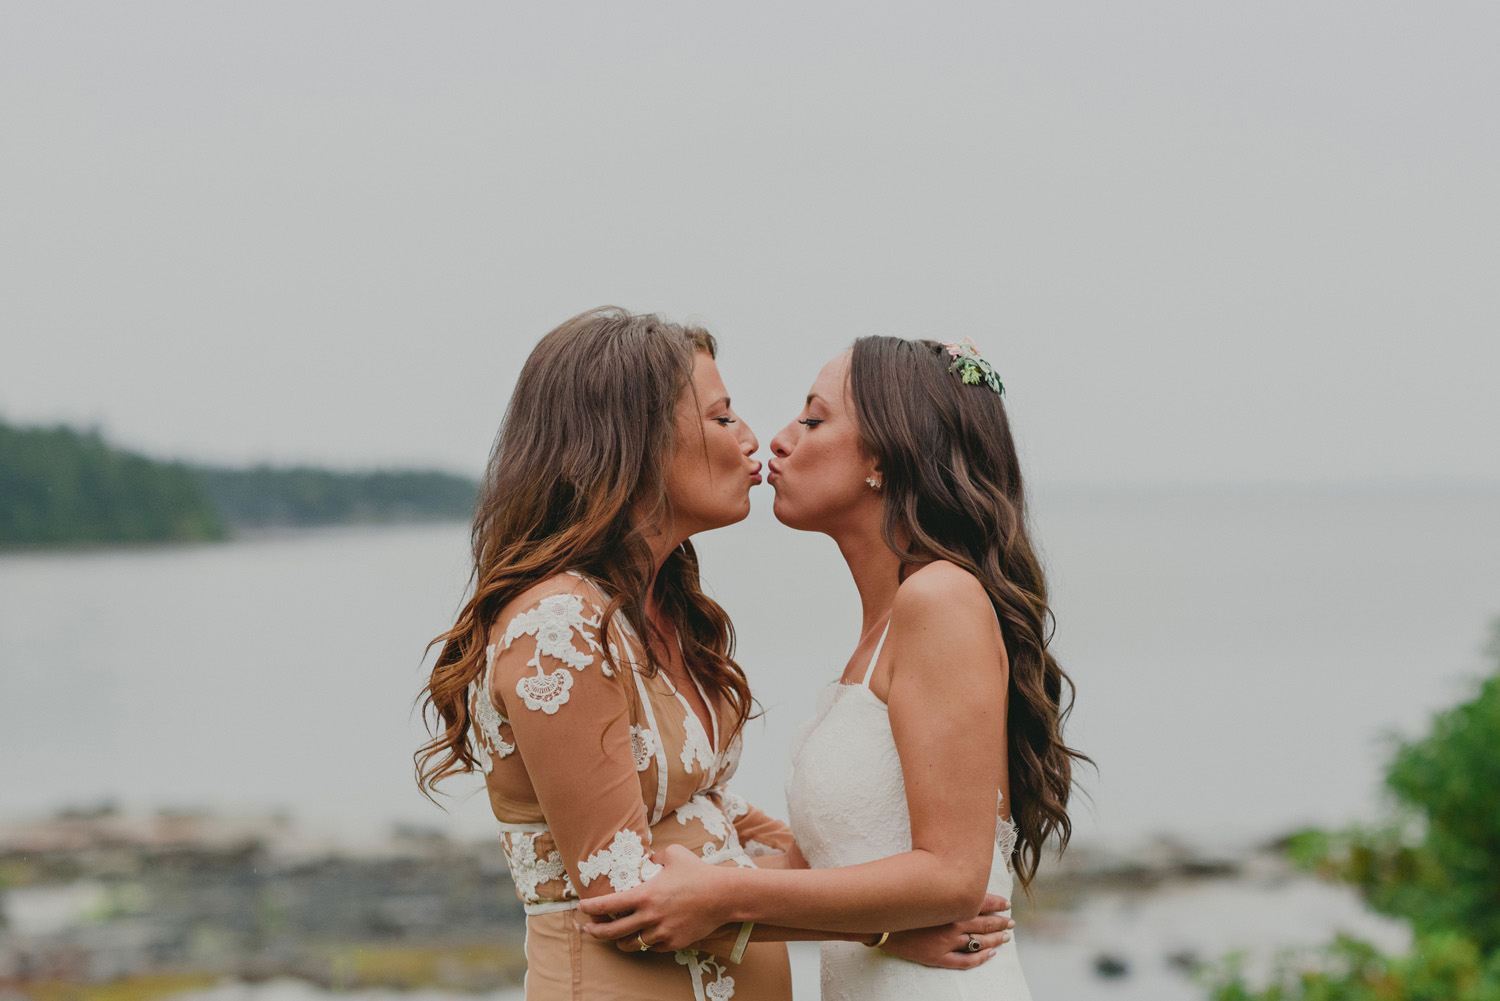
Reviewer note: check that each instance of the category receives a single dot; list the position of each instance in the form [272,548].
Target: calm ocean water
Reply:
[1239,662]
[1239,659]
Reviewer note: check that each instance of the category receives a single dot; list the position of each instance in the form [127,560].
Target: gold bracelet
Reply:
[738,953]
[879,941]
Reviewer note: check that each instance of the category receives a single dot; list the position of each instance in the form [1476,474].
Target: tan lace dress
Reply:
[588,770]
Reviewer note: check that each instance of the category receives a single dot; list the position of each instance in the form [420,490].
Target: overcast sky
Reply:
[1203,243]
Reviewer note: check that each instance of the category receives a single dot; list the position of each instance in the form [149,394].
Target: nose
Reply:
[781,445]
[748,442]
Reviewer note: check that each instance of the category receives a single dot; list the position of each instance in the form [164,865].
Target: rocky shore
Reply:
[101,906]
[179,900]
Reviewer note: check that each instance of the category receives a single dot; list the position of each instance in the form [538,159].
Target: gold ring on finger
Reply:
[645,946]
[973,944]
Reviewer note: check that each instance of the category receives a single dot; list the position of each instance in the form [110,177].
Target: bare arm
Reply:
[943,946]
[947,710]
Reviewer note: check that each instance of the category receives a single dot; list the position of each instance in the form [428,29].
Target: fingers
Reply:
[633,944]
[986,924]
[994,902]
[609,903]
[962,959]
[990,942]
[619,929]
[965,960]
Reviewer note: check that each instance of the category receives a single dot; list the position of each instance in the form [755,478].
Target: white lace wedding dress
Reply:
[847,804]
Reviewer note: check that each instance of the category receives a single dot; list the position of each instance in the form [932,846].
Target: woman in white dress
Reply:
[590,680]
[935,769]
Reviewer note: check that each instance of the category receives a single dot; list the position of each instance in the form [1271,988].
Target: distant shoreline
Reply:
[65,489]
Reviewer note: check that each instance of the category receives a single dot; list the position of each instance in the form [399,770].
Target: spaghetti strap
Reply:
[870,671]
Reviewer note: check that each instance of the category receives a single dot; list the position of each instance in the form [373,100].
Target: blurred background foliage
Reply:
[59,486]
[64,487]
[1434,863]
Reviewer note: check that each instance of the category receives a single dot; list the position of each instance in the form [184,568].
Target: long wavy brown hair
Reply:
[952,491]
[577,481]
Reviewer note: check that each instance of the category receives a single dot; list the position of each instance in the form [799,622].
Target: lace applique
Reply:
[697,751]
[486,717]
[721,988]
[643,744]
[624,862]
[729,853]
[529,872]
[553,622]
[1006,836]
[546,692]
[702,809]
[735,806]
[756,849]
[729,761]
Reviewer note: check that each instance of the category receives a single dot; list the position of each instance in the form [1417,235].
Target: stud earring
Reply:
[873,482]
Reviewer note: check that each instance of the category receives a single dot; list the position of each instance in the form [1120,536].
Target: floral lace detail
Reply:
[1006,835]
[735,806]
[702,809]
[486,717]
[755,849]
[721,988]
[697,749]
[729,761]
[547,692]
[553,622]
[643,744]
[624,862]
[529,872]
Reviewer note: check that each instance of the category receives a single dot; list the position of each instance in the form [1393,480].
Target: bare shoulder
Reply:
[940,593]
[942,619]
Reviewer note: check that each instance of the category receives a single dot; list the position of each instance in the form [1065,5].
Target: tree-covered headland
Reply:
[1434,863]
[59,486]
[64,487]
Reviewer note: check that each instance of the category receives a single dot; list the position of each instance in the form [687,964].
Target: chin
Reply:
[733,515]
[784,514]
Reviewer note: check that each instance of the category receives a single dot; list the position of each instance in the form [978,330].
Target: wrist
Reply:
[737,891]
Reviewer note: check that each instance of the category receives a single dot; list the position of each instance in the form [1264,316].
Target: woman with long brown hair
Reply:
[590,678]
[936,770]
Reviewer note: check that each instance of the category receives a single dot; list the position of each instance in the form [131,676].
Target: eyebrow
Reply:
[814,396]
[722,401]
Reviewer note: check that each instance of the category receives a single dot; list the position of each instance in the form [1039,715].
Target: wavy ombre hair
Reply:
[576,482]
[952,490]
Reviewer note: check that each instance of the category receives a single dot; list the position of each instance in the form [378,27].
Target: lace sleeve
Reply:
[758,832]
[570,721]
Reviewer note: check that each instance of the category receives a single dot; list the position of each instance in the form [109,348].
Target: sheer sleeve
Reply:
[570,719]
[758,832]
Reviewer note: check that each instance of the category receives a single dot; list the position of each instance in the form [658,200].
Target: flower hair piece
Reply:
[971,367]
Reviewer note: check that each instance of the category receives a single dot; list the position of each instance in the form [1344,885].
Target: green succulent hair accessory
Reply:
[971,367]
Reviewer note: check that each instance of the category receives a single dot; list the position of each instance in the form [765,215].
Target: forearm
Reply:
[915,889]
[722,942]
[781,933]
[779,860]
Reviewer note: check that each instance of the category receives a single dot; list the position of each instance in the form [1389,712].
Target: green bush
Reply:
[1435,863]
